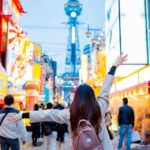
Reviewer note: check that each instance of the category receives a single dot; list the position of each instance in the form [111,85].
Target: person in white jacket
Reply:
[11,132]
[84,106]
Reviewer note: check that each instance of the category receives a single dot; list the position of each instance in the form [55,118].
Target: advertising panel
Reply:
[112,30]
[19,57]
[126,32]
[133,31]
[4,83]
[37,53]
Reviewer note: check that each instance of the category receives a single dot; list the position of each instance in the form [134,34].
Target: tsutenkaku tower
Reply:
[73,9]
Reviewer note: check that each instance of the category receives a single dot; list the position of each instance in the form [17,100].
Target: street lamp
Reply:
[88,33]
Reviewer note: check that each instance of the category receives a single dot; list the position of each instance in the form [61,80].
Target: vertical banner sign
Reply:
[42,79]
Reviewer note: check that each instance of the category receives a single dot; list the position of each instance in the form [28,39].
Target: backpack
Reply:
[86,138]
[47,130]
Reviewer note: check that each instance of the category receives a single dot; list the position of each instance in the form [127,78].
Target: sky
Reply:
[45,24]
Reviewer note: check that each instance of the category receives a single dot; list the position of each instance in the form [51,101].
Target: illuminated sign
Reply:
[133,31]
[73,35]
[126,32]
[4,83]
[112,31]
[19,54]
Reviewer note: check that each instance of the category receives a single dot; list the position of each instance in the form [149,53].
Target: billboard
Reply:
[19,57]
[133,31]
[125,24]
[112,30]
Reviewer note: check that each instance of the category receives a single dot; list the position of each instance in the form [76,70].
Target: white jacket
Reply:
[63,116]
[10,129]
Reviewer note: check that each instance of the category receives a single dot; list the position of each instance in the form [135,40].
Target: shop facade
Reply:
[136,87]
[124,20]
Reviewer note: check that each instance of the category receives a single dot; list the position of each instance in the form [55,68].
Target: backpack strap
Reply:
[85,121]
[4,117]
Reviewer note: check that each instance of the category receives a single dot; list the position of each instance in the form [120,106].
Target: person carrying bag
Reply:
[11,131]
[84,106]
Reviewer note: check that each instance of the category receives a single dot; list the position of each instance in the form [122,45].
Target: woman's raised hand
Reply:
[120,60]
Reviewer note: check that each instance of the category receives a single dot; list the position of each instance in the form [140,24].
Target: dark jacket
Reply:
[126,115]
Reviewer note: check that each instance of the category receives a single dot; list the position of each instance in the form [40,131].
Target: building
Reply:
[9,16]
[124,19]
[10,11]
[93,62]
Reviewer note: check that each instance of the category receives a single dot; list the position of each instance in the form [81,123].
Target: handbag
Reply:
[135,137]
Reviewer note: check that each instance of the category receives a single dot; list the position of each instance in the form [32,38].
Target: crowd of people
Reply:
[85,114]
[12,133]
[45,129]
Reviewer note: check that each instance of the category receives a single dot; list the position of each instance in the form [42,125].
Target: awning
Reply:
[19,6]
[144,88]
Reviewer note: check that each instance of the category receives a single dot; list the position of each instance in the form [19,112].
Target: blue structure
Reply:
[73,9]
[71,75]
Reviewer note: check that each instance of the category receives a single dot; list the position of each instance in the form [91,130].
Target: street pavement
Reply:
[133,146]
[66,145]
[54,144]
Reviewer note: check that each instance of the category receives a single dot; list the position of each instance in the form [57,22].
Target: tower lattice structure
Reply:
[73,9]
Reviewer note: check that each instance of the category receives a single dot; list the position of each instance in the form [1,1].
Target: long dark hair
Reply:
[85,106]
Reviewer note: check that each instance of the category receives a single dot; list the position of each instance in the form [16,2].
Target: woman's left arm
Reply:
[103,99]
[107,84]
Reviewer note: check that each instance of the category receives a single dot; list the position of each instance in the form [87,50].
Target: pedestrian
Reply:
[41,107]
[47,130]
[84,106]
[10,131]
[108,118]
[61,128]
[126,124]
[35,127]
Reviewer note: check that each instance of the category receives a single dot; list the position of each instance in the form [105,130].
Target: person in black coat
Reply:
[47,130]
[61,128]
[35,127]
[126,123]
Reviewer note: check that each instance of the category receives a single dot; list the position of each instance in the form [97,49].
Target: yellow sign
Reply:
[3,83]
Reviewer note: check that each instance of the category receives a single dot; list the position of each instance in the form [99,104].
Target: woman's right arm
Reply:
[59,116]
